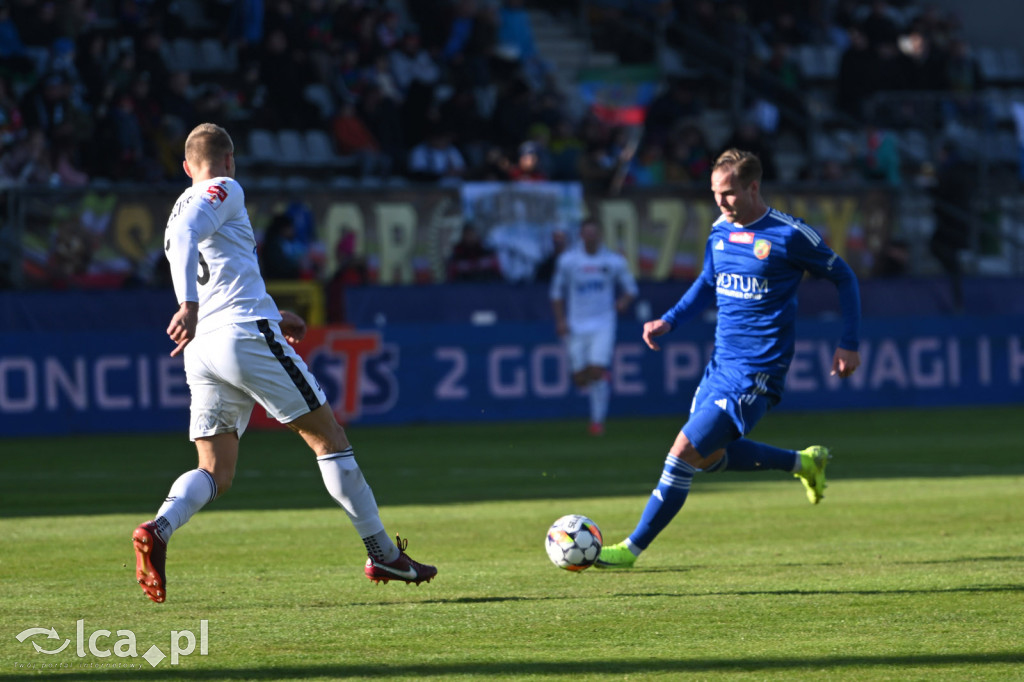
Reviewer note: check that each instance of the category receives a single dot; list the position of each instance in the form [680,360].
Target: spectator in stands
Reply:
[48,106]
[922,68]
[284,70]
[856,79]
[495,167]
[880,25]
[127,151]
[436,158]
[39,25]
[65,172]
[245,27]
[91,66]
[689,156]
[279,253]
[470,260]
[389,31]
[411,63]
[597,167]
[559,242]
[880,160]
[11,121]
[14,59]
[515,35]
[566,150]
[350,272]
[381,115]
[674,103]
[28,161]
[149,59]
[353,138]
[952,195]
[461,114]
[471,44]
[647,167]
[527,167]
[178,100]
[513,113]
[749,137]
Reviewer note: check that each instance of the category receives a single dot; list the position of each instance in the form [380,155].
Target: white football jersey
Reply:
[588,285]
[211,247]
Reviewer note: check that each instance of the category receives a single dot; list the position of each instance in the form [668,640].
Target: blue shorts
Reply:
[720,415]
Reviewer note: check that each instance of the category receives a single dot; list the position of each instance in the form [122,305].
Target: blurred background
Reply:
[413,168]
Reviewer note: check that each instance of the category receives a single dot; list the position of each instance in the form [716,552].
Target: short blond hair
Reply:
[745,165]
[207,143]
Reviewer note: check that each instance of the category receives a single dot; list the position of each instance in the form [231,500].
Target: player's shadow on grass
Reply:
[561,669]
[813,593]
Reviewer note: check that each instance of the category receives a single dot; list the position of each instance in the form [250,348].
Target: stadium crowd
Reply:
[434,90]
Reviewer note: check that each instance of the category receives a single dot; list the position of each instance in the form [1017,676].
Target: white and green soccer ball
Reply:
[573,542]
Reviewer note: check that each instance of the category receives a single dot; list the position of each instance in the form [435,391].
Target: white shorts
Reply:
[591,348]
[231,368]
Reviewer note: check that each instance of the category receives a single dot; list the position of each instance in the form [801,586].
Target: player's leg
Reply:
[290,393]
[346,484]
[599,395]
[219,414]
[703,433]
[577,347]
[599,357]
[807,465]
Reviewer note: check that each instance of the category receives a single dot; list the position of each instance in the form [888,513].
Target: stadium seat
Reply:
[296,182]
[184,55]
[989,64]
[263,146]
[320,95]
[915,145]
[319,148]
[291,148]
[215,58]
[1013,66]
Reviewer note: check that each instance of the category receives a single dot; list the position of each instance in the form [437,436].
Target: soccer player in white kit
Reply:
[237,353]
[584,301]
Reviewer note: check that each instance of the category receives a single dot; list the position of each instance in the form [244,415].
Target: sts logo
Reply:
[355,368]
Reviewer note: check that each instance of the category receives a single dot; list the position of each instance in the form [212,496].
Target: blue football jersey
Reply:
[753,273]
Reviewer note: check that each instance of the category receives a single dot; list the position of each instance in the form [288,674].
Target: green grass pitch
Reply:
[912,568]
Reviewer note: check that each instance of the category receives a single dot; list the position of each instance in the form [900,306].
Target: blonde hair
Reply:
[745,165]
[207,143]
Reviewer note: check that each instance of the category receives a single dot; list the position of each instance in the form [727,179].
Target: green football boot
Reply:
[813,461]
[615,556]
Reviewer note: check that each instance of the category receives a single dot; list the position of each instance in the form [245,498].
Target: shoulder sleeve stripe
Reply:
[806,231]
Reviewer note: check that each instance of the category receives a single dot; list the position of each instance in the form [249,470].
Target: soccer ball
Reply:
[573,542]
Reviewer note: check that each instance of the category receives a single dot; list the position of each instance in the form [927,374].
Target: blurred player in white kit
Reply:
[591,287]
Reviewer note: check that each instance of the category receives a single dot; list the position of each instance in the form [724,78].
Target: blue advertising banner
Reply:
[82,382]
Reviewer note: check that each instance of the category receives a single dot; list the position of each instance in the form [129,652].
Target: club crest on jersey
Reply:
[741,238]
[762,247]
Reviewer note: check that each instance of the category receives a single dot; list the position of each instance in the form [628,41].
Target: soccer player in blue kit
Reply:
[753,263]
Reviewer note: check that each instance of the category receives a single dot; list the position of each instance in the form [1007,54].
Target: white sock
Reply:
[345,483]
[632,548]
[191,492]
[600,394]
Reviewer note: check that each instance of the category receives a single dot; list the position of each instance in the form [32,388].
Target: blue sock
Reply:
[665,502]
[748,455]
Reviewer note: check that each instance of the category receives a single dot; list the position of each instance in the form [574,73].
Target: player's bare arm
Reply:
[845,362]
[182,328]
[655,328]
[561,326]
[623,302]
[292,326]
